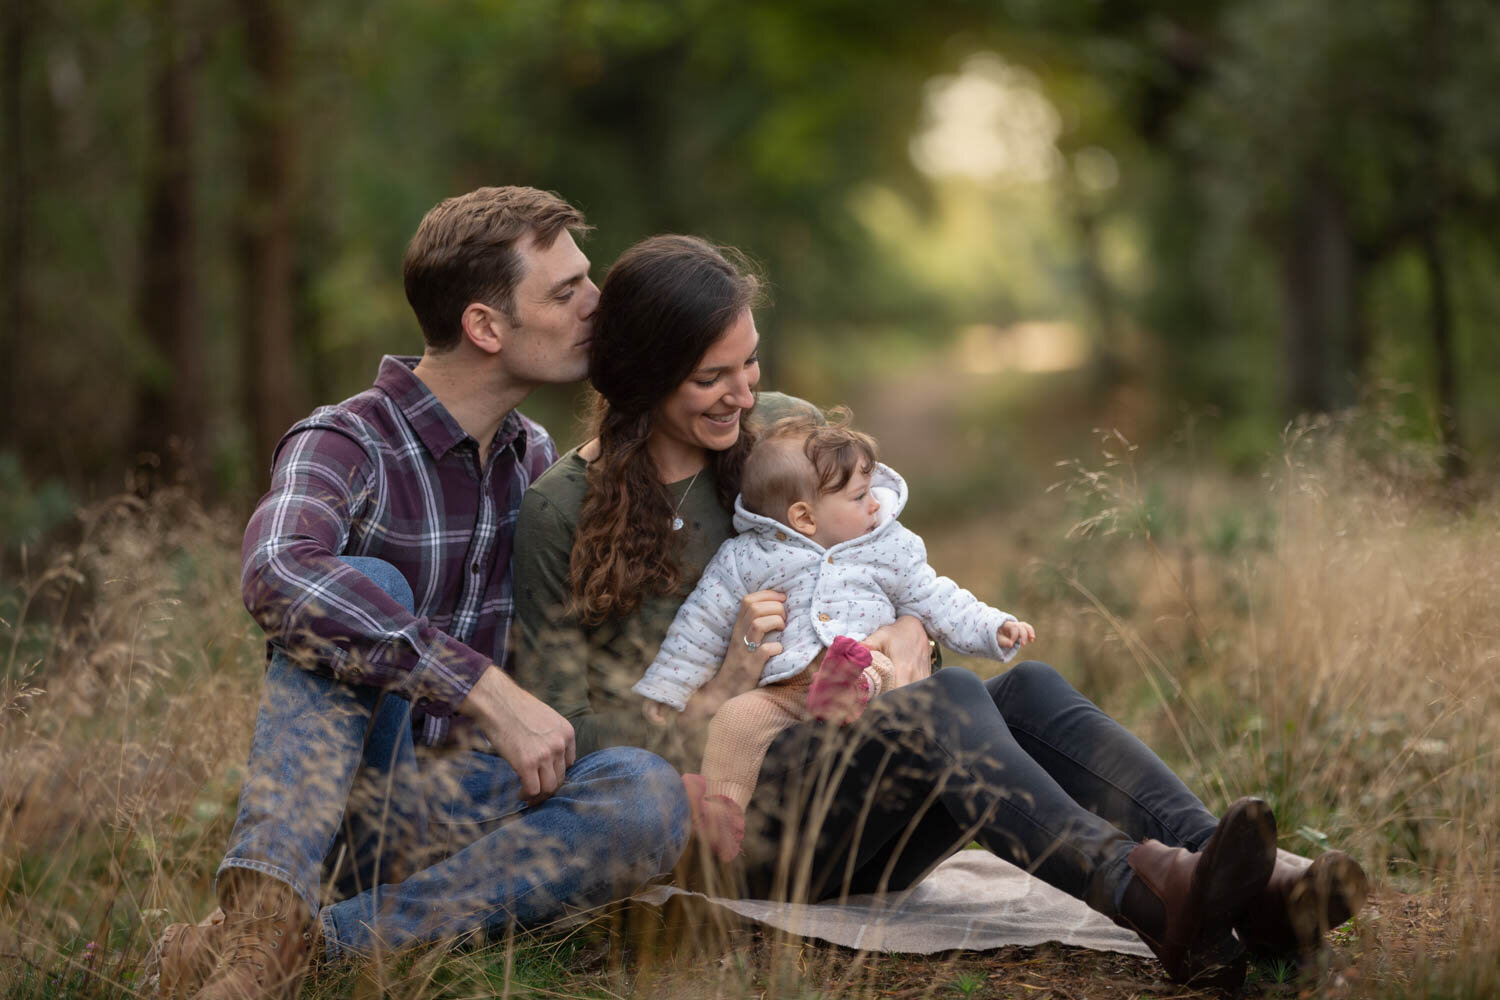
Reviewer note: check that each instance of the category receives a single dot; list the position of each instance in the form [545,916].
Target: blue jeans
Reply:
[1022,763]
[425,843]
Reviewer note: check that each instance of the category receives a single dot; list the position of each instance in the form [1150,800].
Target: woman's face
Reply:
[703,413]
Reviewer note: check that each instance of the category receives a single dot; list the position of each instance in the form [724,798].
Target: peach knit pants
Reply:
[741,731]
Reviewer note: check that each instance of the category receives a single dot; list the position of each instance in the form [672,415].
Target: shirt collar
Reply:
[428,417]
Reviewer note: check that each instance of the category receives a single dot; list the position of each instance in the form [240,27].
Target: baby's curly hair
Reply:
[778,473]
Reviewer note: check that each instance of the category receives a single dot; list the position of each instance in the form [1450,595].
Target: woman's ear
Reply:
[799,517]
[484,327]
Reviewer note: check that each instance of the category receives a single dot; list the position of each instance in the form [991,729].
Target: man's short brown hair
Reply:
[465,251]
[799,458]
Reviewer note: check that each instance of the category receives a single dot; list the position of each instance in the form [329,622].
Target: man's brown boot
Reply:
[267,940]
[1184,905]
[1303,901]
[183,956]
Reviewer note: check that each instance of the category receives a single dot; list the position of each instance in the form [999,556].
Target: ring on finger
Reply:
[752,646]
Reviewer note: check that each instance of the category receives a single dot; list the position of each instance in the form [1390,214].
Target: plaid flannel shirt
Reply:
[390,474]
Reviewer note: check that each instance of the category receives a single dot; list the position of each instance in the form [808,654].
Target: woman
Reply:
[613,537]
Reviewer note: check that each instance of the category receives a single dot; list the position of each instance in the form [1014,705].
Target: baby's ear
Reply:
[799,517]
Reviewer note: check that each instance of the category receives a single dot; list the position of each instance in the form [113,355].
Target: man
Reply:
[378,565]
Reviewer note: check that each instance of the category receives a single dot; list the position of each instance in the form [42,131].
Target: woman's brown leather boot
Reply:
[1302,901]
[1184,905]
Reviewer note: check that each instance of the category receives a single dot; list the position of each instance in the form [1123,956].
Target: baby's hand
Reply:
[656,713]
[1015,633]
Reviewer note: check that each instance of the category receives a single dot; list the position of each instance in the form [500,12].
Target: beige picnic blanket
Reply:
[972,901]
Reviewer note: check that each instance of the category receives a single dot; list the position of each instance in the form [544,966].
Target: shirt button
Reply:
[475,567]
[823,616]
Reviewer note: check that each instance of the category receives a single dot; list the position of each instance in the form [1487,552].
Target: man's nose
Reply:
[590,297]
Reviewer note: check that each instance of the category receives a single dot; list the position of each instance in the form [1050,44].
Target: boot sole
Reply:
[1329,892]
[1236,865]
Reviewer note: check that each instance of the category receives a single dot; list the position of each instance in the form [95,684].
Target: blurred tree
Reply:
[15,23]
[270,395]
[1344,142]
[171,393]
[1281,166]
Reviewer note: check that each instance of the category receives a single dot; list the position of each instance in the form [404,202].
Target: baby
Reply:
[817,521]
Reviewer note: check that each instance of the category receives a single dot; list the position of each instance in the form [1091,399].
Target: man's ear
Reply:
[485,327]
[799,517]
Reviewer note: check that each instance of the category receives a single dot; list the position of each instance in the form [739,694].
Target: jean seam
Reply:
[273,871]
[331,948]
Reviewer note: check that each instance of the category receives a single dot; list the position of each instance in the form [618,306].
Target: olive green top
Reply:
[585,671]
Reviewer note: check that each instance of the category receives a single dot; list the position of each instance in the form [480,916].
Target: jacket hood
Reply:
[887,485]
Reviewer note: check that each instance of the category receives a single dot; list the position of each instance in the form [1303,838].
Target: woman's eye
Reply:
[706,383]
[753,361]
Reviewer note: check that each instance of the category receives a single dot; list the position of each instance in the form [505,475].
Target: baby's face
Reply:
[847,513]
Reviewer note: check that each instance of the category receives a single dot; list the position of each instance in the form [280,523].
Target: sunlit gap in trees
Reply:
[988,142]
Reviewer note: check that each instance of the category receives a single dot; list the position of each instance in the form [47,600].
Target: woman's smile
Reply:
[704,412]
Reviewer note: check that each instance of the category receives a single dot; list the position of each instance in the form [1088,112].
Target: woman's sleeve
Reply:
[556,658]
[551,646]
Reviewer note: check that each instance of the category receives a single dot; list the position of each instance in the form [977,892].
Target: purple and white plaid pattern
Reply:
[390,474]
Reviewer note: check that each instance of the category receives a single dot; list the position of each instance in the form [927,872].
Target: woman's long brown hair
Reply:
[664,303]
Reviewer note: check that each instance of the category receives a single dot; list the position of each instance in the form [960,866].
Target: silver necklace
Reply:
[677,521]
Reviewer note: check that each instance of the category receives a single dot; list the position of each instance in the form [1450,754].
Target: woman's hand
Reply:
[761,613]
[905,642]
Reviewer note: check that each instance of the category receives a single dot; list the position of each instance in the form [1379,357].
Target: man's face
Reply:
[554,306]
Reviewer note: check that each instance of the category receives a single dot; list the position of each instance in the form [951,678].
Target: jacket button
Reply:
[781,536]
[823,616]
[830,560]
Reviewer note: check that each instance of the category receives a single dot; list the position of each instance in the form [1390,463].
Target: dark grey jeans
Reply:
[1022,763]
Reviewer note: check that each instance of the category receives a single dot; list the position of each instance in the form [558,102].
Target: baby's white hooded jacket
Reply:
[852,588]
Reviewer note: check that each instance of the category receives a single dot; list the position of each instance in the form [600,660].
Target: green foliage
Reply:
[785,128]
[28,512]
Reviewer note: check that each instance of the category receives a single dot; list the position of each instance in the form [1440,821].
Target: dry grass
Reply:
[1326,636]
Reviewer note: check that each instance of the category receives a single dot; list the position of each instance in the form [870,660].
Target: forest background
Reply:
[1250,209]
[1247,246]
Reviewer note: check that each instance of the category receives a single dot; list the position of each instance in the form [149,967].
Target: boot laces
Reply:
[259,939]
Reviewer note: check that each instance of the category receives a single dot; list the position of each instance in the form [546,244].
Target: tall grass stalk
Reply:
[1325,636]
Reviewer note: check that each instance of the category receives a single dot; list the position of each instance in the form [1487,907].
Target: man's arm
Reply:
[530,736]
[323,611]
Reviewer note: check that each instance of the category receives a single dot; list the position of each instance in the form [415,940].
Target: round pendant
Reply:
[676,524]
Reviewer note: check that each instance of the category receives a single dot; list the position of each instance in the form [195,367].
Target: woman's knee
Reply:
[953,696]
[1029,683]
[959,686]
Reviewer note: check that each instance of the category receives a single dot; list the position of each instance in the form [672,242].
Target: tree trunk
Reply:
[170,412]
[1440,318]
[1108,364]
[1319,282]
[270,397]
[13,198]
